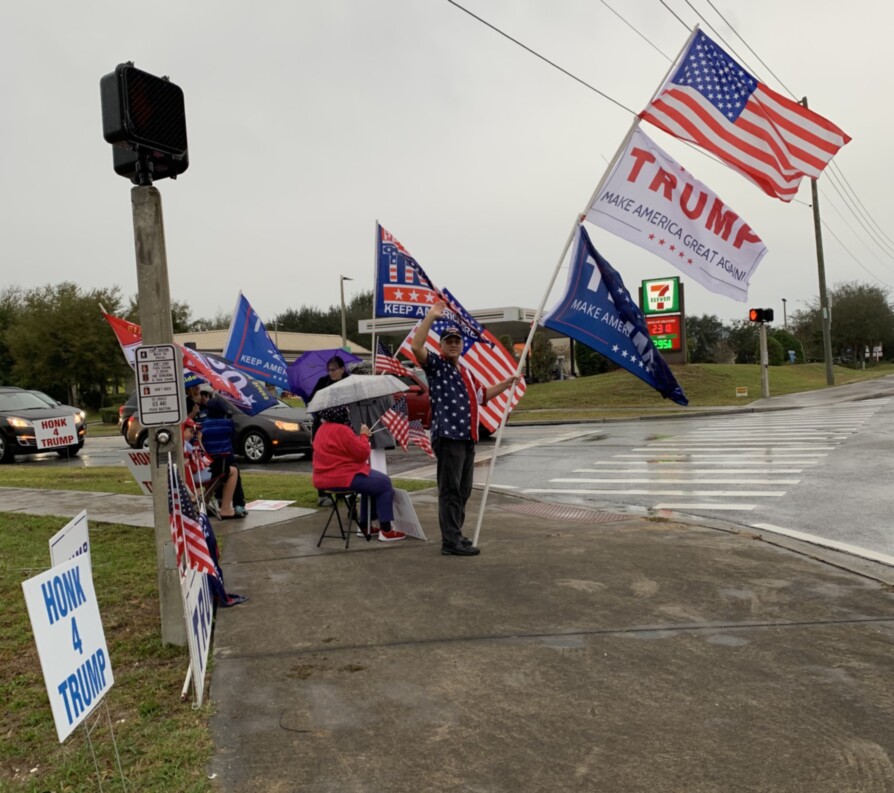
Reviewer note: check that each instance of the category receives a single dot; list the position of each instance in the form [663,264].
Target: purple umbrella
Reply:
[310,366]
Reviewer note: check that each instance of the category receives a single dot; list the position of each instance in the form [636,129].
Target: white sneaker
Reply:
[391,536]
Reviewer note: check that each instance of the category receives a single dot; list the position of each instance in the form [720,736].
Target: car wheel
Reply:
[69,451]
[6,453]
[256,447]
[142,440]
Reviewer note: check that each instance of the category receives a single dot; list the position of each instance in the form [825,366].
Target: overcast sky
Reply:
[308,121]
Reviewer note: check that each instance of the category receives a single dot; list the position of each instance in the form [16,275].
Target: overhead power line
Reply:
[542,57]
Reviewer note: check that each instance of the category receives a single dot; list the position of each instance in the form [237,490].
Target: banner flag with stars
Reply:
[597,310]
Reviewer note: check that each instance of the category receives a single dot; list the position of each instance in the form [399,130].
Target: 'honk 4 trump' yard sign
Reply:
[70,641]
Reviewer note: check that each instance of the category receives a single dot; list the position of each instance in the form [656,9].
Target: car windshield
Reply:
[23,401]
[46,398]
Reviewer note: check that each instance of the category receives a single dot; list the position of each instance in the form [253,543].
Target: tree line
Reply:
[54,337]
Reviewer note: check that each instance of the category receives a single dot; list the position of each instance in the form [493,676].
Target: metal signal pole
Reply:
[821,268]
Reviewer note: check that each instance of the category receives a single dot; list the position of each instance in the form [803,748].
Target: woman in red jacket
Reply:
[341,460]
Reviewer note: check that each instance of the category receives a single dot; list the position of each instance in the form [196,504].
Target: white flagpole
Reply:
[375,294]
[552,281]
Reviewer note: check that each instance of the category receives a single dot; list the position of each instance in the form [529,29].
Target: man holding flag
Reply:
[455,397]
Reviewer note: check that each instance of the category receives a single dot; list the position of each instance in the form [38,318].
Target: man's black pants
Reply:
[456,461]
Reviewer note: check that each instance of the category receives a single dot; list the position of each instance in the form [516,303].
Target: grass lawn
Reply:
[619,394]
[164,744]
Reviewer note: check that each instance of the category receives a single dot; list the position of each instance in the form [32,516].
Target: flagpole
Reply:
[537,315]
[375,292]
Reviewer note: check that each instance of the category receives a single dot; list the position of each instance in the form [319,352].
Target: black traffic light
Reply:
[760,314]
[144,119]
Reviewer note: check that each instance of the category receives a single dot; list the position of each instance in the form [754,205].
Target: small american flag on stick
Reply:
[387,363]
[419,437]
[396,419]
[186,530]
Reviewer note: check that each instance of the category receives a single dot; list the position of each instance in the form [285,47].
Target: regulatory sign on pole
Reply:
[70,641]
[160,395]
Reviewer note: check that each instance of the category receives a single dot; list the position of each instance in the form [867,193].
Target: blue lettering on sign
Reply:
[201,621]
[81,689]
[63,594]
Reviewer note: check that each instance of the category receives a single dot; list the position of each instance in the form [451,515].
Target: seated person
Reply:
[197,462]
[341,460]
[217,432]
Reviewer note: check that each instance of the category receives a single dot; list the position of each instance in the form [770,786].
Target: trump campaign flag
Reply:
[488,361]
[651,201]
[712,101]
[597,310]
[247,393]
[402,287]
[250,349]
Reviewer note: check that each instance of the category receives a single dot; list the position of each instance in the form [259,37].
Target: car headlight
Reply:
[287,426]
[80,417]
[20,423]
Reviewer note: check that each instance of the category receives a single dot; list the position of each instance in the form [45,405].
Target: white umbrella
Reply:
[356,388]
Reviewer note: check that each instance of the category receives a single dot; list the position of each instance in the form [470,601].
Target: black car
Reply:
[19,408]
[280,429]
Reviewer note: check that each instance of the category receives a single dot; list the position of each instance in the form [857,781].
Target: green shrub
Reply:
[109,415]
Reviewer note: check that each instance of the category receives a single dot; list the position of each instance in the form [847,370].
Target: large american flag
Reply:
[488,361]
[186,527]
[396,419]
[419,437]
[386,363]
[712,101]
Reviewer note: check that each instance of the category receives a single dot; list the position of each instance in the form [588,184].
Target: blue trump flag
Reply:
[597,310]
[250,349]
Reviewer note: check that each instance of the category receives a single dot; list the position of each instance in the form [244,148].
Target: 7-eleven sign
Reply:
[661,295]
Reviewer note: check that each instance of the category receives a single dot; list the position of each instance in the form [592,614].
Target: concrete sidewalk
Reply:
[582,651]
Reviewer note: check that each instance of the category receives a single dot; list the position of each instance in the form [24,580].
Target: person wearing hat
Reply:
[455,396]
[335,371]
[204,392]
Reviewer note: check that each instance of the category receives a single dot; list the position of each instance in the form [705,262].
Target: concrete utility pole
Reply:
[155,318]
[821,268]
[765,362]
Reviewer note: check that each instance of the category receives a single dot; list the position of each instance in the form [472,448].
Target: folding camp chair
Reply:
[348,498]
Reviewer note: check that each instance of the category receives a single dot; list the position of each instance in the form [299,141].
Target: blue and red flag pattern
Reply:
[387,363]
[713,102]
[396,419]
[402,287]
[419,437]
[186,527]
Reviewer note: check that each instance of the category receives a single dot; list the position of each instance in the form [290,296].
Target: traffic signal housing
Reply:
[760,314]
[144,118]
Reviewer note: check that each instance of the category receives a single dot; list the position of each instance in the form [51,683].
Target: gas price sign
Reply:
[665,332]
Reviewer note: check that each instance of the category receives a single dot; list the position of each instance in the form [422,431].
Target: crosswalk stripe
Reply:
[660,471]
[688,480]
[643,492]
[707,506]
